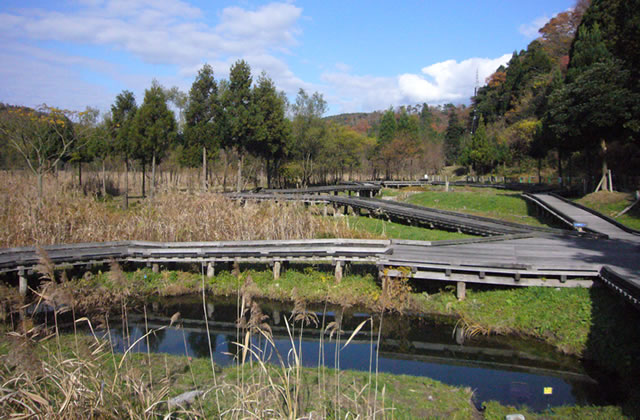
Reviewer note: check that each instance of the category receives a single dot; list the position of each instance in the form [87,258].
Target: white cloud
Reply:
[447,81]
[352,93]
[342,67]
[157,32]
[530,30]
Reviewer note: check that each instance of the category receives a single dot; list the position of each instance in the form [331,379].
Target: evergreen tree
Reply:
[122,131]
[201,119]
[239,114]
[479,153]
[155,127]
[452,137]
[273,131]
[388,127]
[426,121]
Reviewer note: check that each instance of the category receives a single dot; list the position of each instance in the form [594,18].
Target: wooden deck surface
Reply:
[516,255]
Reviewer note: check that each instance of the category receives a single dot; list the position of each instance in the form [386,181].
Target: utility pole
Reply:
[475,115]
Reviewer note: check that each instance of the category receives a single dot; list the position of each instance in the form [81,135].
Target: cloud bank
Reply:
[85,54]
[151,32]
[439,83]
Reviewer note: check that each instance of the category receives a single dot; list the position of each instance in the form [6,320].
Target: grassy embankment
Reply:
[78,376]
[144,380]
[569,319]
[487,202]
[612,203]
[391,230]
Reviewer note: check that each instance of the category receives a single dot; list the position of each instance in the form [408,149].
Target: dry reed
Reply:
[68,216]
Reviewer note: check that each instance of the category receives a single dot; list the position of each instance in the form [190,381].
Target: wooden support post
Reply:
[447,272]
[211,269]
[461,290]
[610,181]
[324,210]
[22,288]
[276,270]
[446,184]
[460,336]
[338,271]
[155,268]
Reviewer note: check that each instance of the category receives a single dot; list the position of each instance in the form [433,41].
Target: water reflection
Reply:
[512,371]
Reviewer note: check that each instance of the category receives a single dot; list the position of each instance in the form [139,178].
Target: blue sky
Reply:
[361,55]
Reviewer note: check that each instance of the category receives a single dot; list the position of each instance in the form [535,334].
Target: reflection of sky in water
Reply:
[508,387]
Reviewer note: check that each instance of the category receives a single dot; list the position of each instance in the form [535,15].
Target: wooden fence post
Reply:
[276,270]
[22,288]
[338,271]
[461,290]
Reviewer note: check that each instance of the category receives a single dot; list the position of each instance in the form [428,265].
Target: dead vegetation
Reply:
[68,216]
[47,374]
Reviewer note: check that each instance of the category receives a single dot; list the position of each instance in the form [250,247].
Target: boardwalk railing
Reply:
[15,259]
[597,213]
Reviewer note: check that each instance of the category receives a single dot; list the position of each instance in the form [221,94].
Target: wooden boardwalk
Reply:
[508,254]
[409,214]
[571,213]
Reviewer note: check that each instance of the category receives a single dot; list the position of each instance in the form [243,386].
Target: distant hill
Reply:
[367,122]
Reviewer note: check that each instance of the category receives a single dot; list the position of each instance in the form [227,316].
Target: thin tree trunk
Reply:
[239,178]
[153,175]
[268,173]
[40,188]
[125,204]
[204,168]
[80,173]
[224,173]
[605,169]
[104,181]
[560,168]
[144,171]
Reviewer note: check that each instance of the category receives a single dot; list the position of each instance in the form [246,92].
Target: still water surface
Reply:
[510,370]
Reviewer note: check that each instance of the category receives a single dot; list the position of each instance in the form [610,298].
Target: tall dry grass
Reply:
[67,215]
[46,375]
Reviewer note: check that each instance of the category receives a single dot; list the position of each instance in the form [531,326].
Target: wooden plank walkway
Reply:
[410,213]
[575,214]
[515,255]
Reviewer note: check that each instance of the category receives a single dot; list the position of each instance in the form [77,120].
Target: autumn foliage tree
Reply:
[42,136]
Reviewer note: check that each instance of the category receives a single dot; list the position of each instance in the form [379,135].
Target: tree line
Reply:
[571,99]
[232,123]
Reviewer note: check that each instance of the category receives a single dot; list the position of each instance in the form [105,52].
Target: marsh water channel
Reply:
[511,370]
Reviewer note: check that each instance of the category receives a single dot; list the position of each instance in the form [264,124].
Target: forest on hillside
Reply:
[568,104]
